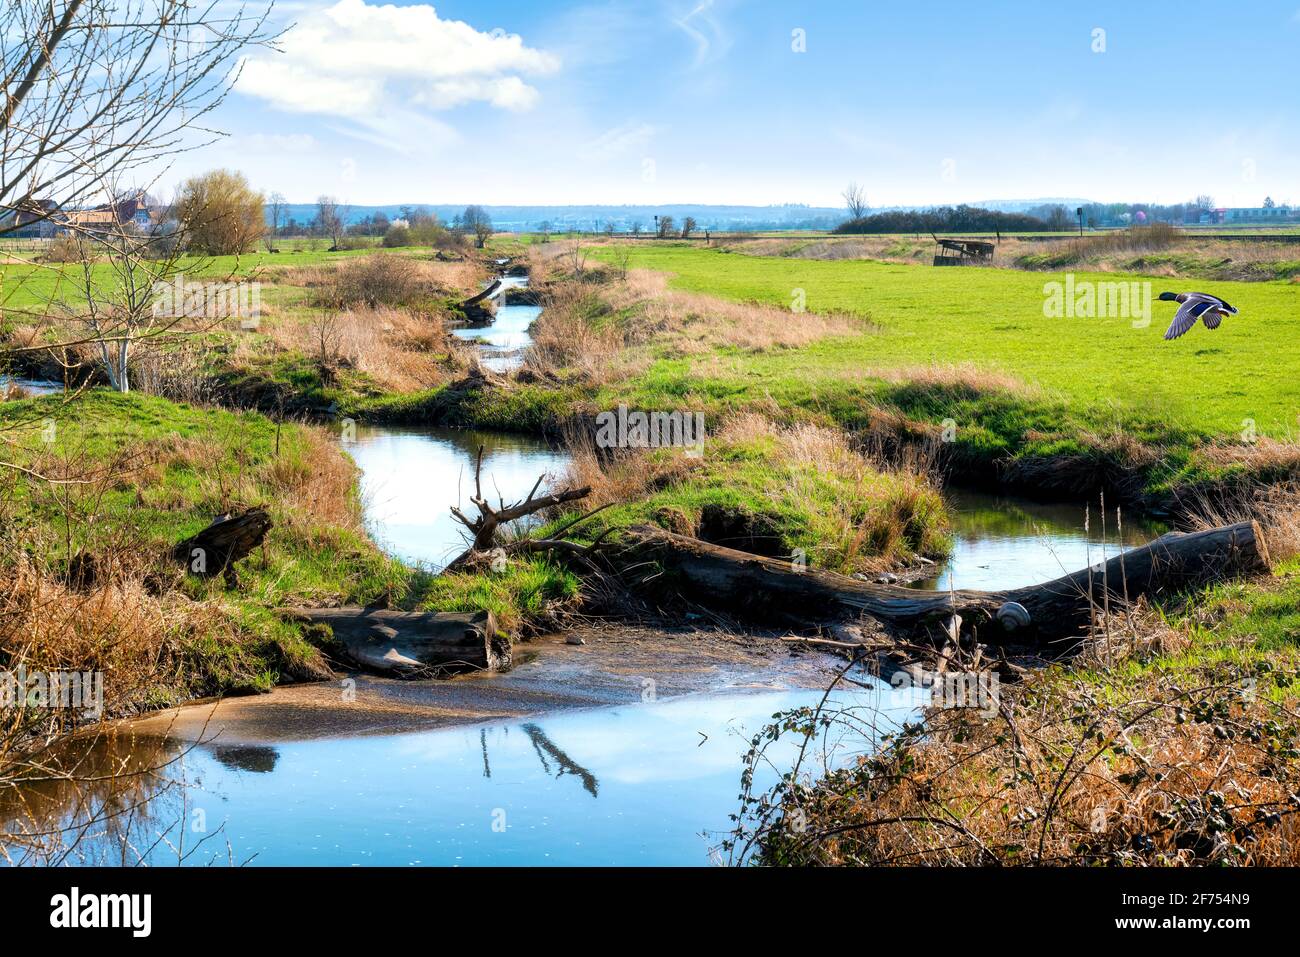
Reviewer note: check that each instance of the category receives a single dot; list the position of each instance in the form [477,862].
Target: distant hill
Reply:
[595,216]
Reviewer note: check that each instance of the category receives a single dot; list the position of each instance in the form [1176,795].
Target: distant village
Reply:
[42,219]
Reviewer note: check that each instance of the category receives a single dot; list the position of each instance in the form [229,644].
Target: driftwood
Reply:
[490,518]
[414,644]
[229,538]
[769,588]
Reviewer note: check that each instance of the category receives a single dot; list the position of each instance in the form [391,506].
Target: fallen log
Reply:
[476,308]
[414,644]
[768,588]
[229,538]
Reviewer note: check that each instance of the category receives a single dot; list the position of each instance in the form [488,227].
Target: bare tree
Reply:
[328,219]
[476,220]
[622,259]
[95,89]
[635,227]
[688,227]
[664,227]
[577,257]
[93,93]
[275,204]
[855,201]
[127,287]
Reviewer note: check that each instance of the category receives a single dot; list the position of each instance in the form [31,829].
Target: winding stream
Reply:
[503,342]
[629,780]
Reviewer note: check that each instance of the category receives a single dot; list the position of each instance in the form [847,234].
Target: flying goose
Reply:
[1196,305]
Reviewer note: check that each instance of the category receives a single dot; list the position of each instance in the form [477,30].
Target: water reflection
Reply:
[545,748]
[504,340]
[1006,542]
[410,478]
[95,801]
[659,780]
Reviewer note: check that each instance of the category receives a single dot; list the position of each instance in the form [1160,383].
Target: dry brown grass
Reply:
[962,377]
[1186,770]
[620,475]
[400,349]
[1156,250]
[1275,507]
[120,624]
[610,329]
[317,483]
[378,279]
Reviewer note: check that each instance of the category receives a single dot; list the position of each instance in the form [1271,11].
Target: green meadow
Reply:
[1214,383]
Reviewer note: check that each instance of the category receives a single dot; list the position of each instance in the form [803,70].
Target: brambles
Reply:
[1194,768]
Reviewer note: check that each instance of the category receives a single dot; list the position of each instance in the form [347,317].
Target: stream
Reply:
[502,343]
[600,773]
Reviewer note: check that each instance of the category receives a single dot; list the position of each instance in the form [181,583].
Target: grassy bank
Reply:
[801,492]
[90,525]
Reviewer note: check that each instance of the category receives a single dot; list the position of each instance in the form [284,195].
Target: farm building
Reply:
[42,219]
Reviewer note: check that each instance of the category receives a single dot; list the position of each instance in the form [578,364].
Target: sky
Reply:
[766,102]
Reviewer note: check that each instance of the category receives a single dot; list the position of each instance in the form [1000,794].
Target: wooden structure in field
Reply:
[962,252]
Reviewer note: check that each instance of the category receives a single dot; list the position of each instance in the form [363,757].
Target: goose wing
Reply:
[1193,306]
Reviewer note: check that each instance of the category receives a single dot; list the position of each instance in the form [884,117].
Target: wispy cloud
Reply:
[707,31]
[618,141]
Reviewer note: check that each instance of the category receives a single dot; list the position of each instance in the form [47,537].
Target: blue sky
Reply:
[656,101]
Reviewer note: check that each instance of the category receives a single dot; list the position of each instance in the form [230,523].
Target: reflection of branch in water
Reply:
[96,799]
[482,739]
[544,746]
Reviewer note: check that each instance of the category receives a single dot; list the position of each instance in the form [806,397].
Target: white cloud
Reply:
[619,140]
[369,63]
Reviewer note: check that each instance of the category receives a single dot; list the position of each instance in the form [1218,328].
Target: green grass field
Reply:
[994,319]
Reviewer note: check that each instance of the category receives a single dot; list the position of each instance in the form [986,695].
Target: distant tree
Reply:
[329,220]
[688,227]
[223,215]
[544,227]
[635,227]
[855,201]
[609,227]
[1268,202]
[275,204]
[476,220]
[1058,219]
[665,224]
[959,219]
